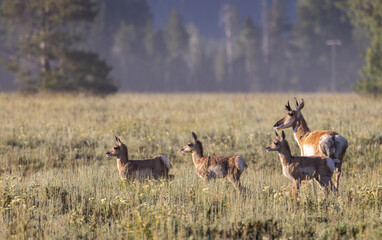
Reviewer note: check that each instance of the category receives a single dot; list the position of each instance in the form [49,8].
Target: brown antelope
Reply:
[321,143]
[297,168]
[155,167]
[210,167]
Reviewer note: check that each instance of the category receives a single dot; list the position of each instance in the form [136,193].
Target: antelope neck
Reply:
[285,157]
[301,130]
[285,154]
[197,154]
[123,159]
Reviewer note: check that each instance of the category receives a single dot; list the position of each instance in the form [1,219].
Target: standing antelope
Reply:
[298,168]
[322,143]
[156,167]
[209,167]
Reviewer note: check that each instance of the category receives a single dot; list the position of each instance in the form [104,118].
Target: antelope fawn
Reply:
[302,168]
[156,167]
[321,143]
[230,167]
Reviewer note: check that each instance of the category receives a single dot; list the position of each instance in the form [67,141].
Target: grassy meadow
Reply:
[56,183]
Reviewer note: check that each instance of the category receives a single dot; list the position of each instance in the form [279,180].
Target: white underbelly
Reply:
[308,150]
[217,172]
[286,173]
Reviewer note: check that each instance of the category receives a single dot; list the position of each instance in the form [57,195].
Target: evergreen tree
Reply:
[278,32]
[220,70]
[108,22]
[368,14]
[45,46]
[318,21]
[176,39]
[249,45]
[133,57]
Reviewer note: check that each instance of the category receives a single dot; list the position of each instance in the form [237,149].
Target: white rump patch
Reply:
[166,162]
[341,145]
[327,145]
[240,164]
[330,163]
[308,150]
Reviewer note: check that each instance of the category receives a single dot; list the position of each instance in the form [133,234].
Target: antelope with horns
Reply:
[210,167]
[155,167]
[298,168]
[321,143]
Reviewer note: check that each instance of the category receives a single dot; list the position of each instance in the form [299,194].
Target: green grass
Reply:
[55,181]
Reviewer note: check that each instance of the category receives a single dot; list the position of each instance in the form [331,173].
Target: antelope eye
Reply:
[189,144]
[290,114]
[276,143]
[116,148]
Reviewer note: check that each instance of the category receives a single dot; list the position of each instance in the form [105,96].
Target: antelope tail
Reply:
[166,162]
[240,164]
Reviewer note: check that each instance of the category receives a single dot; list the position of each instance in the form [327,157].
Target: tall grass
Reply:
[56,182]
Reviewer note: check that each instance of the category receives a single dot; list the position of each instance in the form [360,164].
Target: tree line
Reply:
[102,46]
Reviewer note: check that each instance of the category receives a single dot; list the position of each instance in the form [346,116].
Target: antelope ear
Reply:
[117,139]
[299,105]
[194,136]
[283,134]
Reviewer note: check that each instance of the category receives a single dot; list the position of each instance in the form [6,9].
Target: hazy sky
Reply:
[205,13]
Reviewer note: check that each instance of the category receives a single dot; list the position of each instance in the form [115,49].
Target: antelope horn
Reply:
[296,103]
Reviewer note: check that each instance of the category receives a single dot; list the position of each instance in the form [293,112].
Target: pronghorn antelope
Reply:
[298,168]
[155,167]
[322,143]
[209,167]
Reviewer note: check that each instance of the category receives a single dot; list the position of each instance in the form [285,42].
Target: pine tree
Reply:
[317,22]
[249,43]
[368,14]
[279,31]
[176,39]
[45,45]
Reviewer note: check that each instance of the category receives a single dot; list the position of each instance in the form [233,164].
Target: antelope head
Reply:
[118,150]
[276,145]
[292,116]
[191,145]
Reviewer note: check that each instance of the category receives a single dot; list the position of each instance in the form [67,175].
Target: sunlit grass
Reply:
[56,182]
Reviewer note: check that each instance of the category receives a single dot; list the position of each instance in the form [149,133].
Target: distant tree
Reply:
[177,40]
[368,14]
[109,19]
[6,79]
[279,29]
[132,48]
[176,36]
[318,21]
[45,58]
[200,70]
[249,45]
[220,69]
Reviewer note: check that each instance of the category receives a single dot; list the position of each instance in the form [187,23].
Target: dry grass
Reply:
[56,182]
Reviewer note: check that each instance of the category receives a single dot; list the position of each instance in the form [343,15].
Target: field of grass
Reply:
[56,183]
